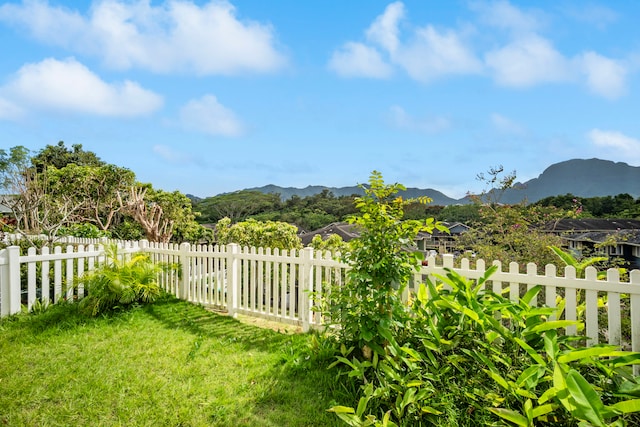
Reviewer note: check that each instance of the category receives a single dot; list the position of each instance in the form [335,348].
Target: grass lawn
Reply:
[166,364]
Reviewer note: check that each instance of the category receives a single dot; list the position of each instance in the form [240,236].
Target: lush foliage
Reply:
[120,282]
[457,354]
[268,234]
[59,187]
[333,243]
[86,230]
[381,263]
[471,357]
[510,233]
[308,213]
[619,206]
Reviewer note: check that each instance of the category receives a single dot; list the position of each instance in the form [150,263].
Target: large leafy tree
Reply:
[60,156]
[260,234]
[40,204]
[237,206]
[95,190]
[60,187]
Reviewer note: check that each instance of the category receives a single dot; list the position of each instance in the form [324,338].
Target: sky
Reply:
[208,97]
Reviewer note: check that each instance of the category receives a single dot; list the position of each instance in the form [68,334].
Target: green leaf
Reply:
[531,293]
[626,406]
[562,392]
[341,410]
[530,351]
[589,407]
[499,379]
[587,353]
[413,353]
[550,325]
[530,376]
[542,410]
[511,416]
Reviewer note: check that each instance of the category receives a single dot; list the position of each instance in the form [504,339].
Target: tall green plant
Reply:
[580,265]
[381,263]
[120,282]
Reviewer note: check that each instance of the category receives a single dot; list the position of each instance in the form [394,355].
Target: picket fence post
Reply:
[10,282]
[184,265]
[233,278]
[306,286]
[634,278]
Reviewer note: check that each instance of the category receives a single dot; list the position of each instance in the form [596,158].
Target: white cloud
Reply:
[502,14]
[209,116]
[174,36]
[70,86]
[626,148]
[507,126]
[528,61]
[402,120]
[605,77]
[359,60]
[384,30]
[430,53]
[521,57]
[434,54]
[9,111]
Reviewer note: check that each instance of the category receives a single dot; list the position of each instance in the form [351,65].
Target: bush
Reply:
[120,282]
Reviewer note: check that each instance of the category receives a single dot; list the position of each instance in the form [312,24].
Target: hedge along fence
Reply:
[278,285]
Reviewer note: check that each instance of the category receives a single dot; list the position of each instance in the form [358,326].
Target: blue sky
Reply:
[211,97]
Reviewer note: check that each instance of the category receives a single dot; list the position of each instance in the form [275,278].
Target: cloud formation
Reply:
[359,60]
[518,56]
[209,116]
[624,147]
[175,36]
[69,86]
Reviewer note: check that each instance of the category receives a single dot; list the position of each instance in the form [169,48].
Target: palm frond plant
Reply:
[120,282]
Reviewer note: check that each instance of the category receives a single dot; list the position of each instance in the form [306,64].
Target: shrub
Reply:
[120,282]
[381,263]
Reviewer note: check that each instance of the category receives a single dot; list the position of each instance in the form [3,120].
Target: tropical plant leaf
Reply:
[588,405]
[511,416]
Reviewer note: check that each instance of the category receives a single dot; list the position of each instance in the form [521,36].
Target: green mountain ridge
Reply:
[580,177]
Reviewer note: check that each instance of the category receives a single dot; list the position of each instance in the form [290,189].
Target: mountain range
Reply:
[580,177]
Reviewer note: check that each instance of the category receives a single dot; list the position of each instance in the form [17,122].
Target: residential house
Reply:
[438,241]
[583,235]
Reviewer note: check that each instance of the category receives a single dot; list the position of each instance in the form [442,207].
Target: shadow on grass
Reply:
[295,386]
[177,314]
[299,378]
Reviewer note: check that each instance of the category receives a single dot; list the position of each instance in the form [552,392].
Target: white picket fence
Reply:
[277,285]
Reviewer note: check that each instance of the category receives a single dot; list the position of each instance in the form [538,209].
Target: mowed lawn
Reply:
[166,364]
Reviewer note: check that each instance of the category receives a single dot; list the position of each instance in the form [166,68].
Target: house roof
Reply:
[592,225]
[626,237]
[345,230]
[350,231]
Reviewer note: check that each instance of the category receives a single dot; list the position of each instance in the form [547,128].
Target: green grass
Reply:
[166,364]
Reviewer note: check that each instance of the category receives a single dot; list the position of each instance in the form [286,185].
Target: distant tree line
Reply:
[308,213]
[314,212]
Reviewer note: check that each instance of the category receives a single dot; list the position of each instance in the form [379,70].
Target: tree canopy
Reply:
[61,188]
